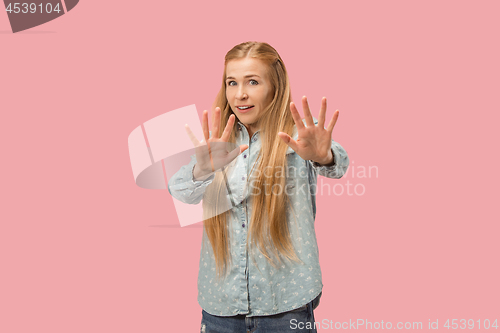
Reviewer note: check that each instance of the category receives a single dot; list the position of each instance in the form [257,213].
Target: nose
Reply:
[241,94]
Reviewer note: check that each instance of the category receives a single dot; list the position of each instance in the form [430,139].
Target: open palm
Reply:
[314,141]
[212,153]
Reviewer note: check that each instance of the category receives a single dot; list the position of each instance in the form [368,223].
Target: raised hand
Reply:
[314,141]
[212,152]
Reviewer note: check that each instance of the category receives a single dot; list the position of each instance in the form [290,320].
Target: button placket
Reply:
[244,217]
[245,170]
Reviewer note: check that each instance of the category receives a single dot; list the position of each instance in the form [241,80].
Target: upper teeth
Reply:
[243,107]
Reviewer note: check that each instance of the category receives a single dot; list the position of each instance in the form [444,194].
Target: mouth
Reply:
[245,108]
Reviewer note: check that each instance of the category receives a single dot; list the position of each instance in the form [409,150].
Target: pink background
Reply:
[84,249]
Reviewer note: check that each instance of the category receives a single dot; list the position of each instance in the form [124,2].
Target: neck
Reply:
[251,129]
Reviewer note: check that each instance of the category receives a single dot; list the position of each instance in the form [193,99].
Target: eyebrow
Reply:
[230,77]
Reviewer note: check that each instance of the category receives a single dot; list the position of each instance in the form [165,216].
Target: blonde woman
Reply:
[259,262]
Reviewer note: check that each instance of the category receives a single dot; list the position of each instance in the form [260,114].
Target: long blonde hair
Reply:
[268,227]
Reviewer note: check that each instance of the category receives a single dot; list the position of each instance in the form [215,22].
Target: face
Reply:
[247,84]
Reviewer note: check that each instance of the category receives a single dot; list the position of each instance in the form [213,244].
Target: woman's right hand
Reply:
[212,152]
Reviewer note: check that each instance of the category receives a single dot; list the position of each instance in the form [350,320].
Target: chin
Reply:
[247,121]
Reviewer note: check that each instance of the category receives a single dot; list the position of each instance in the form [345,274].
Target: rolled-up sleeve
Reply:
[184,188]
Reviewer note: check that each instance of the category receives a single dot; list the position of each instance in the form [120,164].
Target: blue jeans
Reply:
[300,320]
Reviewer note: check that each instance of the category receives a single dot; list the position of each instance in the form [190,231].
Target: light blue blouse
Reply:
[262,290]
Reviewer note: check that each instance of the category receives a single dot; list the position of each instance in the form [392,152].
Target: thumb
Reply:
[243,148]
[191,135]
[288,140]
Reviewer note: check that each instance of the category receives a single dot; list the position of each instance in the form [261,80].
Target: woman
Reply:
[259,262]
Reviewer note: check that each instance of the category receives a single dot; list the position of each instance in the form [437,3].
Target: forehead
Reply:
[239,68]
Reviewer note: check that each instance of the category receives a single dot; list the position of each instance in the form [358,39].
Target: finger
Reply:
[307,112]
[216,123]
[296,116]
[243,148]
[191,135]
[206,133]
[322,113]
[288,140]
[333,121]
[228,128]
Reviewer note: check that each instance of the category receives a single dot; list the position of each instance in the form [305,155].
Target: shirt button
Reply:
[243,225]
[245,156]
[254,139]
[243,178]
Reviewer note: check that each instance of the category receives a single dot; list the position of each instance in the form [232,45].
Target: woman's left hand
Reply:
[314,142]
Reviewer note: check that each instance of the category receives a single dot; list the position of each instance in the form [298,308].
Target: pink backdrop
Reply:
[84,249]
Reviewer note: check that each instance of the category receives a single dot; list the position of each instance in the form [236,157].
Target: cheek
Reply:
[262,97]
[267,95]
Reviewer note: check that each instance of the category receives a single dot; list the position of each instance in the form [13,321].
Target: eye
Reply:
[229,83]
[255,82]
